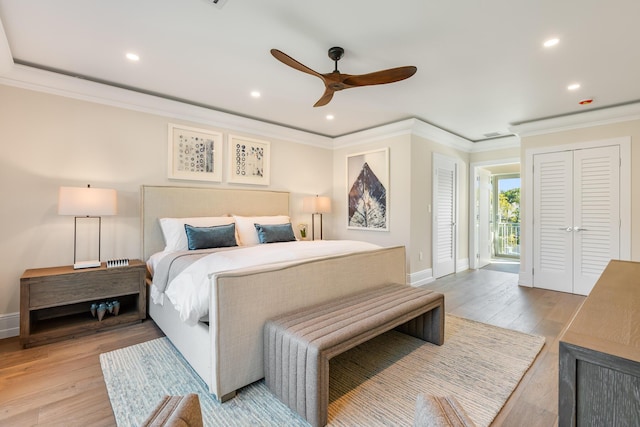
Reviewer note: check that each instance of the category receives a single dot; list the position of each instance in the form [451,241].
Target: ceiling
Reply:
[481,65]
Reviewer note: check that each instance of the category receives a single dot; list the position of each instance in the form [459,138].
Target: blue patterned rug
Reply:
[374,384]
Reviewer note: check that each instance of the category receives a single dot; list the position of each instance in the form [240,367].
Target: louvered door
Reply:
[444,224]
[553,221]
[596,214]
[576,217]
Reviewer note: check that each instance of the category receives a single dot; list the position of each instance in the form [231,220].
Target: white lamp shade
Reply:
[80,201]
[316,204]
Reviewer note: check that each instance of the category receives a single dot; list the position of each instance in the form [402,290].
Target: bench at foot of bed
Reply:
[299,345]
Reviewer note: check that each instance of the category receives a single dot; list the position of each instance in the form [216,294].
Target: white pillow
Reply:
[246,229]
[175,237]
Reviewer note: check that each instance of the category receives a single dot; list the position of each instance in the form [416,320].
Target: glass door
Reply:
[506,207]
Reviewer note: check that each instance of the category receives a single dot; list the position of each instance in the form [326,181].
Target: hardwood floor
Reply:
[61,384]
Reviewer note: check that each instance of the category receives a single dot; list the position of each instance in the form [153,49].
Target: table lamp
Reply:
[86,203]
[316,205]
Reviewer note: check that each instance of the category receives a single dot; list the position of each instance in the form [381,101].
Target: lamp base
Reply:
[86,264]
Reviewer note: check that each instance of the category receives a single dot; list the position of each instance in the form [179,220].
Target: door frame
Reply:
[473,167]
[624,142]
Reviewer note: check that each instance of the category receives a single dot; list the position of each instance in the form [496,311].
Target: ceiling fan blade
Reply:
[381,77]
[326,97]
[287,60]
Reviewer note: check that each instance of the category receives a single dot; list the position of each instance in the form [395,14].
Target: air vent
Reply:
[217,3]
[492,134]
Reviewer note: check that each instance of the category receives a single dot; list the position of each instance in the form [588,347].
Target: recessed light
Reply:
[132,57]
[574,86]
[551,42]
[330,117]
[255,94]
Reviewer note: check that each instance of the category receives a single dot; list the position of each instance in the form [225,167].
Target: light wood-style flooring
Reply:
[61,384]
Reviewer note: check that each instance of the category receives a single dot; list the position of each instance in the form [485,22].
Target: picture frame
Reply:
[194,154]
[249,160]
[368,190]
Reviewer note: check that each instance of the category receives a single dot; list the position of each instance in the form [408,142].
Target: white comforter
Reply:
[189,291]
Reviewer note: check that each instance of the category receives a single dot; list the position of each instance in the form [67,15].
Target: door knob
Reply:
[579,229]
[565,229]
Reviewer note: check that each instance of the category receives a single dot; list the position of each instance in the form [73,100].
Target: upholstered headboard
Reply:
[178,202]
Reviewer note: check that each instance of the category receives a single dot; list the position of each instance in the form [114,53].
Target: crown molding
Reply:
[35,79]
[604,116]
[404,127]
[503,143]
[6,59]
[367,136]
[441,136]
[71,87]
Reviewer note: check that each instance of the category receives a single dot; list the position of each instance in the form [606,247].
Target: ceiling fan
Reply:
[336,81]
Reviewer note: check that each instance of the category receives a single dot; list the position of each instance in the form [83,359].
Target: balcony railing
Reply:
[507,239]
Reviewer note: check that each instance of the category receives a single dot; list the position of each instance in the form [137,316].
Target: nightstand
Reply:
[55,302]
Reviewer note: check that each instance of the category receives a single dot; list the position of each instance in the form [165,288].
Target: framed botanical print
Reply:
[194,154]
[368,190]
[248,160]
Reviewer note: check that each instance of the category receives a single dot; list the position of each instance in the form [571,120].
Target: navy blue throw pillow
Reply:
[268,233]
[219,236]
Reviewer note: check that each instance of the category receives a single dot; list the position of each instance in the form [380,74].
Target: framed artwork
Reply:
[248,160]
[368,186]
[194,154]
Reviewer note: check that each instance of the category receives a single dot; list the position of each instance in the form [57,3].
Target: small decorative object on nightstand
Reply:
[61,302]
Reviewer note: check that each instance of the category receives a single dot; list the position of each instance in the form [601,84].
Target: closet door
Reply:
[576,217]
[553,221]
[596,215]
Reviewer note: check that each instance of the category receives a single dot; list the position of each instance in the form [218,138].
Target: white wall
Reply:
[50,141]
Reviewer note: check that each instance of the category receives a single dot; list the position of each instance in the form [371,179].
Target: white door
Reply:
[444,218]
[483,217]
[576,217]
[596,214]
[553,221]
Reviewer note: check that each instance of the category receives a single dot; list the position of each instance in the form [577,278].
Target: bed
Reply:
[225,348]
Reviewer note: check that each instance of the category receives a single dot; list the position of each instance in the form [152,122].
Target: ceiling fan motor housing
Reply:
[335,53]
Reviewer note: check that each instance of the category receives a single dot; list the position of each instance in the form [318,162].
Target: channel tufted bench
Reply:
[299,345]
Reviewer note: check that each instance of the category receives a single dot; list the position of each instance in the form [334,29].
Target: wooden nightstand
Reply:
[55,302]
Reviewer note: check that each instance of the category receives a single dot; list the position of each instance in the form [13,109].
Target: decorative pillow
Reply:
[275,233]
[217,236]
[247,233]
[175,237]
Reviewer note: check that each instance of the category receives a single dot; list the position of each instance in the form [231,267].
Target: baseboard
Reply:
[420,278]
[9,325]
[462,265]
[525,279]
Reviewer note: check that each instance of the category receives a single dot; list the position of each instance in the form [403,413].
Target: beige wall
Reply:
[411,160]
[595,133]
[50,141]
[422,198]
[399,196]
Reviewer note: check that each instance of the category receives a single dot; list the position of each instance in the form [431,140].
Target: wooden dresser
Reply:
[599,377]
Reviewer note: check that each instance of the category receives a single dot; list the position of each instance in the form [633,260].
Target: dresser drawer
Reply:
[71,288]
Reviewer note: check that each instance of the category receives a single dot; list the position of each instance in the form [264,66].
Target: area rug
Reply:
[374,384]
